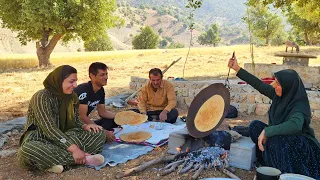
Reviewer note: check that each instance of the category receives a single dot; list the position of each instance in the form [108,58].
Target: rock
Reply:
[188,101]
[250,98]
[262,109]
[251,108]
[6,153]
[3,140]
[316,114]
[258,98]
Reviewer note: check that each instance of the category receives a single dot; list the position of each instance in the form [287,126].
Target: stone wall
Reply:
[310,75]
[246,99]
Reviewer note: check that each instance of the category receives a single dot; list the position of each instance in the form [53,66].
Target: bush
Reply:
[101,43]
[176,45]
[147,39]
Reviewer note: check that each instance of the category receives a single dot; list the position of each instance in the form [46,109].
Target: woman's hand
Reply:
[94,127]
[233,64]
[262,139]
[78,155]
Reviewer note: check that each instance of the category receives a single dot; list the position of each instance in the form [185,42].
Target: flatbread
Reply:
[130,117]
[139,136]
[209,113]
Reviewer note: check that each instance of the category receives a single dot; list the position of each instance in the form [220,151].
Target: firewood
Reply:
[173,163]
[230,174]
[187,168]
[173,167]
[196,175]
[163,159]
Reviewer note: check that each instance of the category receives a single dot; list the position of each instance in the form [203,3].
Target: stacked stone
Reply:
[245,98]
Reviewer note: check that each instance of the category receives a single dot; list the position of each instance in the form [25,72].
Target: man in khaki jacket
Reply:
[157,98]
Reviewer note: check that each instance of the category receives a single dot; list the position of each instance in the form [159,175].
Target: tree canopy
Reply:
[48,21]
[263,23]
[101,43]
[147,39]
[211,37]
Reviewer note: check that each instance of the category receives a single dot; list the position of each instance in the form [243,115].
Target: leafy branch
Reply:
[192,6]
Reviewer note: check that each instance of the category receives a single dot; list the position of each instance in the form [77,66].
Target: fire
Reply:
[178,149]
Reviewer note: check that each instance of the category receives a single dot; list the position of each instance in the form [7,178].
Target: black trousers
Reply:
[107,124]
[171,116]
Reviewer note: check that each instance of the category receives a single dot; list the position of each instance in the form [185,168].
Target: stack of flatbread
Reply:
[132,118]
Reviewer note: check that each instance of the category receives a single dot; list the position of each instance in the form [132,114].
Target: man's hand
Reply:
[163,115]
[94,127]
[262,139]
[110,136]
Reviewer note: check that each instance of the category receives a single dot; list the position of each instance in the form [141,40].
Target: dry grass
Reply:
[18,85]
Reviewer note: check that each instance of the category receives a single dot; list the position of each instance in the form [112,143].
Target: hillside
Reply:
[168,16]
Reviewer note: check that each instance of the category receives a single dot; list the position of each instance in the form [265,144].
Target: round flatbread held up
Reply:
[130,117]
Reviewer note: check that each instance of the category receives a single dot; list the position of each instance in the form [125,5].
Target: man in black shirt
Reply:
[91,95]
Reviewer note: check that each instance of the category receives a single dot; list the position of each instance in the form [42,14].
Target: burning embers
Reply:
[196,161]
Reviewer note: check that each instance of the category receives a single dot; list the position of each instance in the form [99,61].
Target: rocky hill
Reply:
[169,18]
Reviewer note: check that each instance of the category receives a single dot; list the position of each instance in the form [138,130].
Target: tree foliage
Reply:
[163,43]
[263,23]
[101,43]
[302,27]
[309,8]
[147,39]
[211,37]
[48,21]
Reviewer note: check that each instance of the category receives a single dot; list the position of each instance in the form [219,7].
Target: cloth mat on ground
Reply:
[116,153]
[119,152]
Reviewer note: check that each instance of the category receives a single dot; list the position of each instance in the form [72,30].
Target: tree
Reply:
[310,8]
[101,43]
[147,39]
[163,43]
[48,21]
[175,45]
[264,24]
[301,25]
[160,31]
[211,37]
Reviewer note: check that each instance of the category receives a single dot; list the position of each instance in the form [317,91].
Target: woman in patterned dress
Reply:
[54,135]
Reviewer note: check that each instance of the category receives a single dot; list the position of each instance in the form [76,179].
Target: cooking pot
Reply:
[267,173]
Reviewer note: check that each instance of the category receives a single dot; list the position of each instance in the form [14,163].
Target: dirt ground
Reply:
[9,168]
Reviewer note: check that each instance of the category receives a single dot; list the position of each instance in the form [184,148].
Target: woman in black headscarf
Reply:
[54,135]
[287,142]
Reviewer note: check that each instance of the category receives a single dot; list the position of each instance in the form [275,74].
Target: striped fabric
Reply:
[47,145]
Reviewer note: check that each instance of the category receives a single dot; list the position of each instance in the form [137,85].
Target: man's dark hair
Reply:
[66,71]
[155,72]
[94,67]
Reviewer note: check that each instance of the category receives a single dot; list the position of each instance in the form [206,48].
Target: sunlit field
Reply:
[20,78]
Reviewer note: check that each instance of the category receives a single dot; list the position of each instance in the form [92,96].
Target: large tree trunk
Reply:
[268,41]
[44,49]
[307,39]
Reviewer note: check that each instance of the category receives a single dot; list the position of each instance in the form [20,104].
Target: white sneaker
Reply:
[56,169]
[94,160]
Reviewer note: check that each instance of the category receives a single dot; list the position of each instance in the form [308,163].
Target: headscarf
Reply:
[294,99]
[53,83]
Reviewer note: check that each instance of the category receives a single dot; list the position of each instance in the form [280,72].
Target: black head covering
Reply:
[53,83]
[294,99]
